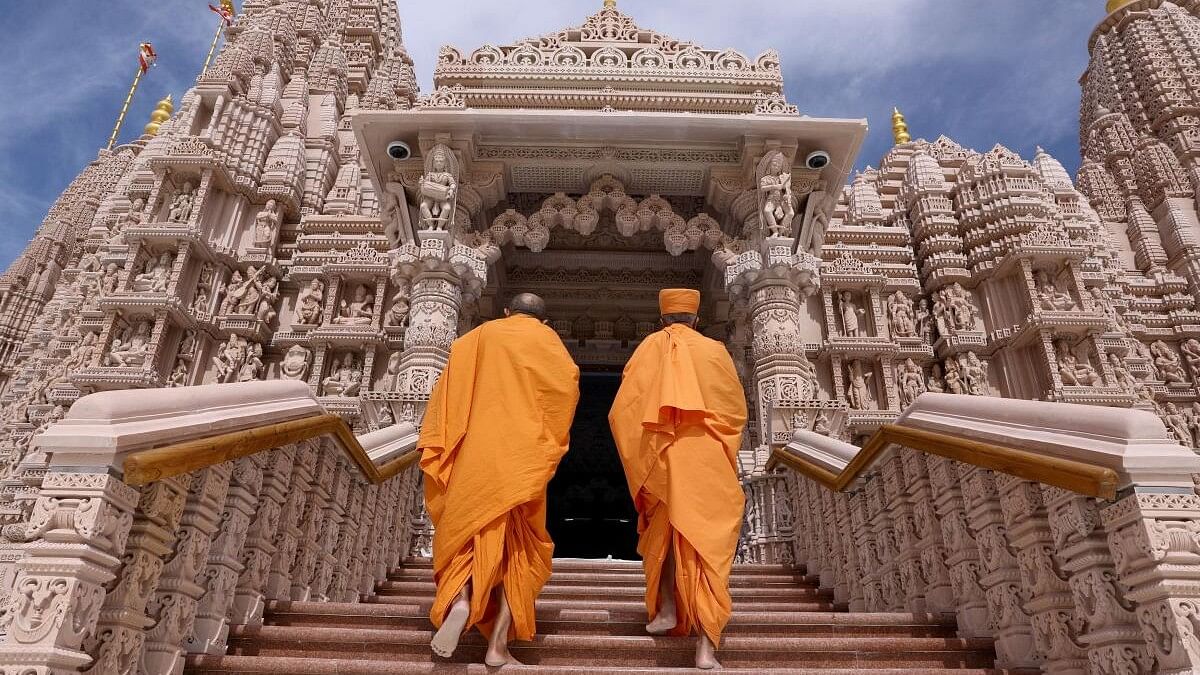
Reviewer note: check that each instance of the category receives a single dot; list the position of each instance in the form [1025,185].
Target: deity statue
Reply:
[133,218]
[244,293]
[156,275]
[308,305]
[960,309]
[775,195]
[344,380]
[911,380]
[936,382]
[808,372]
[357,311]
[901,318]
[1167,363]
[953,377]
[1073,372]
[851,315]
[1177,424]
[1102,302]
[1050,296]
[393,202]
[200,303]
[179,374]
[131,348]
[1191,354]
[858,391]
[392,381]
[438,189]
[1121,376]
[230,358]
[253,366]
[821,424]
[266,304]
[924,320]
[295,363]
[975,375]
[181,206]
[1193,419]
[398,313]
[112,276]
[266,223]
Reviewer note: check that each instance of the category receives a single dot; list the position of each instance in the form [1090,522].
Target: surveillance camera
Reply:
[818,159]
[399,150]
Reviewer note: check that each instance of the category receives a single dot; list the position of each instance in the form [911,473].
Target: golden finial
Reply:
[1114,5]
[610,4]
[162,113]
[227,5]
[900,127]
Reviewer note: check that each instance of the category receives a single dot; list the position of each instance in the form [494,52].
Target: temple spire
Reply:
[900,127]
[162,113]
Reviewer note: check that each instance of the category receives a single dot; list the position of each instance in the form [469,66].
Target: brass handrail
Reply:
[188,456]
[1079,477]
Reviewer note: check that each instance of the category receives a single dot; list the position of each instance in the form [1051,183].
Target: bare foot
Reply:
[445,641]
[706,654]
[501,657]
[664,622]
[497,652]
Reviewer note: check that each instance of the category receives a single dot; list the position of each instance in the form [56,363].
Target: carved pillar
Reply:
[287,536]
[960,550]
[173,607]
[1155,544]
[1001,577]
[931,553]
[868,551]
[224,564]
[260,544]
[1108,627]
[887,571]
[78,532]
[310,547]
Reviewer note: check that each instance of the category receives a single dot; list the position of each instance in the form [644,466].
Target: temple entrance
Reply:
[589,512]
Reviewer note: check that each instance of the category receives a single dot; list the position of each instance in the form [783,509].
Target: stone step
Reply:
[645,650]
[608,622]
[634,603]
[578,592]
[596,565]
[627,577]
[256,665]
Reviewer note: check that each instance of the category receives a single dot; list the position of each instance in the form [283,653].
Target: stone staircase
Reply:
[591,619]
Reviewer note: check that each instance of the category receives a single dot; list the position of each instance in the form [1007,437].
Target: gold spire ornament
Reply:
[1114,5]
[226,14]
[900,128]
[162,113]
[610,4]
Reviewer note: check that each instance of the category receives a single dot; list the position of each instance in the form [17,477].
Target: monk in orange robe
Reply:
[497,424]
[677,421]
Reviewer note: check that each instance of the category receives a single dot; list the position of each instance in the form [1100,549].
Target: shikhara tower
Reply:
[268,232]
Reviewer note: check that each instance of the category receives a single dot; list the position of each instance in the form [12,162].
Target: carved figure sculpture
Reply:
[924,321]
[398,313]
[851,315]
[133,218]
[179,374]
[266,303]
[1167,363]
[437,189]
[858,391]
[181,206]
[1050,296]
[253,366]
[244,294]
[960,309]
[821,423]
[1104,304]
[1121,375]
[266,224]
[776,199]
[936,381]
[911,380]
[156,275]
[1073,372]
[131,348]
[230,358]
[1177,424]
[974,373]
[1191,354]
[295,363]
[112,276]
[1194,423]
[308,305]
[901,318]
[953,377]
[392,380]
[344,380]
[357,311]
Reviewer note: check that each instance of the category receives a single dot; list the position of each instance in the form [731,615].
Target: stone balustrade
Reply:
[125,575]
[1069,534]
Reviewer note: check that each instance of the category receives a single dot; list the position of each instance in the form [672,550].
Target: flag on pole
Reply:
[146,56]
[225,11]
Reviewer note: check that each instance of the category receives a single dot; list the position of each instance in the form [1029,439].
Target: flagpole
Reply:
[212,48]
[125,108]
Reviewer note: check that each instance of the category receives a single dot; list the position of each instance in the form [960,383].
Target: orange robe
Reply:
[678,421]
[497,424]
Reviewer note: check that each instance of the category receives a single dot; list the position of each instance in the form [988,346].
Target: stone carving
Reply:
[233,357]
[902,320]
[775,197]
[974,375]
[398,313]
[1191,354]
[851,315]
[181,205]
[1121,376]
[937,381]
[295,363]
[1167,363]
[266,224]
[266,302]
[156,275]
[202,301]
[438,189]
[358,310]
[310,303]
[344,379]
[131,347]
[130,219]
[1075,373]
[953,310]
[858,387]
[1178,424]
[1050,296]
[244,294]
[910,379]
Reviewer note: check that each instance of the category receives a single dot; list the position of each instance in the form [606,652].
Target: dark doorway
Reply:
[589,511]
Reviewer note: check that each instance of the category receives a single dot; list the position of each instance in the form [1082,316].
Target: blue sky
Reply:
[979,71]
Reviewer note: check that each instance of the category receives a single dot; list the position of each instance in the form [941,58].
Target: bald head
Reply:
[528,303]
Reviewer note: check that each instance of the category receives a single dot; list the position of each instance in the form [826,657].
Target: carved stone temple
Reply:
[216,352]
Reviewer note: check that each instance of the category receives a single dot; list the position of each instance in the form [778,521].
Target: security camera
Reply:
[817,159]
[399,150]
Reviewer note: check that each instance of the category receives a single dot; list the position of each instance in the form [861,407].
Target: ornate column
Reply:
[961,551]
[78,531]
[1155,544]
[260,543]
